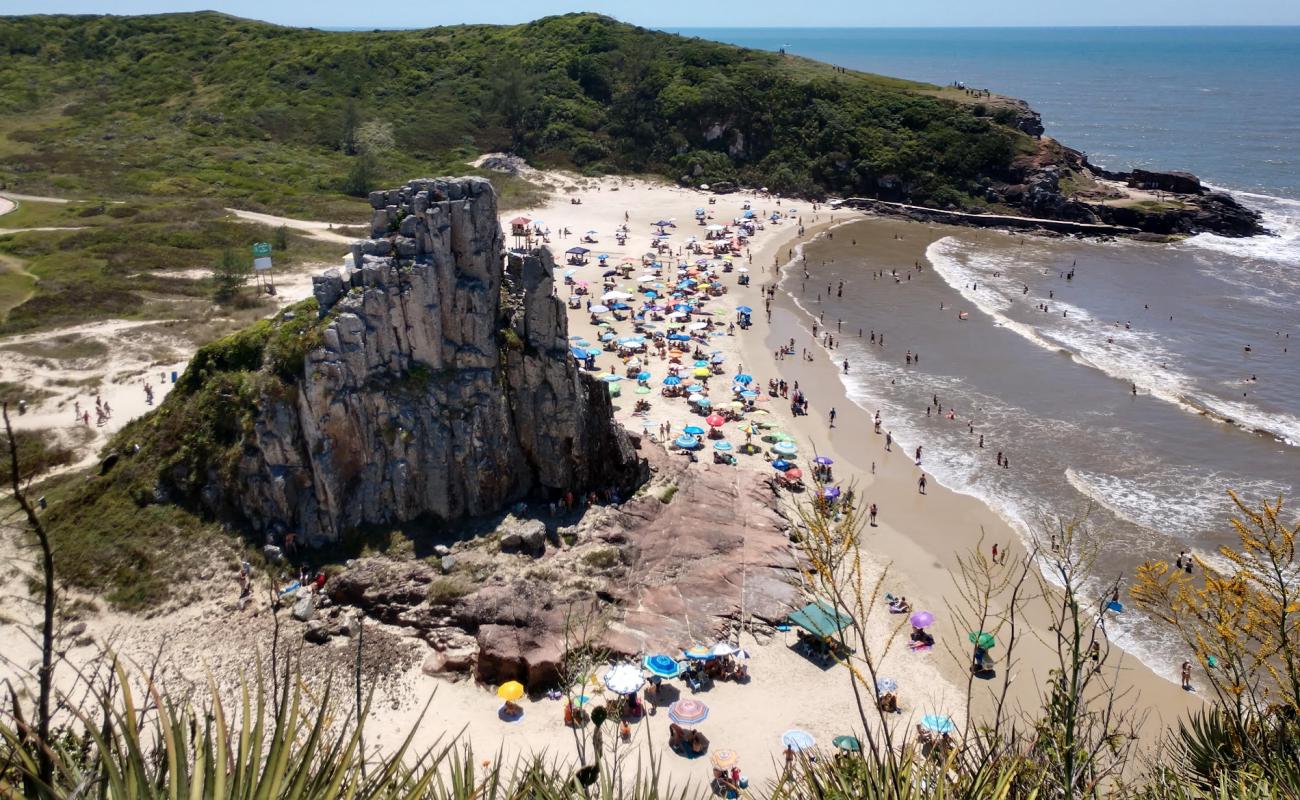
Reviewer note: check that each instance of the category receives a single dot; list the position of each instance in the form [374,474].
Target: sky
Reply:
[703,13]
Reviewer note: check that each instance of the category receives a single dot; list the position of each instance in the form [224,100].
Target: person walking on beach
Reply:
[1187,676]
[995,552]
[871,515]
[889,440]
[999,458]
[918,455]
[920,485]
[832,415]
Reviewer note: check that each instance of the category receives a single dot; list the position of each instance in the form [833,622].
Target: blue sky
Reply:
[686,13]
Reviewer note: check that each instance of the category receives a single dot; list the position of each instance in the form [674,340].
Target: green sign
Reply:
[261,249]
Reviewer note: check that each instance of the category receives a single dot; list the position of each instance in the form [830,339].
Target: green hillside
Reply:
[276,117]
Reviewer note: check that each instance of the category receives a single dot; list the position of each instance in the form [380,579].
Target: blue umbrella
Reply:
[704,402]
[607,337]
[652,294]
[593,351]
[823,460]
[743,378]
[620,306]
[672,380]
[662,666]
[611,378]
[701,364]
[695,387]
[722,445]
[686,442]
[745,309]
[749,395]
[785,448]
[798,740]
[831,492]
[579,353]
[643,376]
[694,430]
[939,723]
[678,337]
[568,273]
[781,464]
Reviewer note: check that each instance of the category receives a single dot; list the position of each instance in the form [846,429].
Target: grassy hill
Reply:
[276,118]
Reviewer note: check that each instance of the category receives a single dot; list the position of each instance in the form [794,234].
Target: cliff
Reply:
[430,381]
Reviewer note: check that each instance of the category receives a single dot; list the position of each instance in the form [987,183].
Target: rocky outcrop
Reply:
[440,385]
[1177,182]
[681,562]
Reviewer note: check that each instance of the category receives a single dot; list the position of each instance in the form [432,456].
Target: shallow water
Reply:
[1053,391]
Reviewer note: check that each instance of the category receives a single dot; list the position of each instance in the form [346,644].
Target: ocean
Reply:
[1207,330]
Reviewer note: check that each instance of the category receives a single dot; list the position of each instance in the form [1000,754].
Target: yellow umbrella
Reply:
[702,372]
[510,691]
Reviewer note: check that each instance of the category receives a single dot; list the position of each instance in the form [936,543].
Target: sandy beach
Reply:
[919,536]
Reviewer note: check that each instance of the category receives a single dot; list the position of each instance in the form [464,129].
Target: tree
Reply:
[281,240]
[230,274]
[514,94]
[351,121]
[373,139]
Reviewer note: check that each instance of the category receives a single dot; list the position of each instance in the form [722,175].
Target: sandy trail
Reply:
[316,230]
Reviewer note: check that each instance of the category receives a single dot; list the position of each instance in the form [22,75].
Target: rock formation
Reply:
[682,562]
[440,386]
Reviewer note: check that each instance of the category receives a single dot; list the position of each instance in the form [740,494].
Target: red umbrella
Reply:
[520,221]
[794,473]
[714,420]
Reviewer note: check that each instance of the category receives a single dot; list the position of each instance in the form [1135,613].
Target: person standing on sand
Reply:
[889,440]
[920,485]
[832,415]
[1187,676]
[995,552]
[871,515]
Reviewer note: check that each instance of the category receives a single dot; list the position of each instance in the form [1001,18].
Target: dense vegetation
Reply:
[287,119]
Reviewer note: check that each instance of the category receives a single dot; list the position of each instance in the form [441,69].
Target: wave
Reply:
[1170,498]
[1280,216]
[1135,357]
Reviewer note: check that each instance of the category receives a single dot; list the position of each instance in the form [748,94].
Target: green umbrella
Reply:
[982,639]
[848,744]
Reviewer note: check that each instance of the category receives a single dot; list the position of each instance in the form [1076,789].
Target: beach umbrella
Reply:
[745,309]
[785,448]
[598,309]
[939,723]
[748,395]
[718,358]
[781,465]
[643,390]
[823,460]
[698,652]
[686,442]
[624,679]
[704,402]
[831,492]
[794,473]
[714,420]
[608,337]
[796,739]
[724,759]
[743,378]
[678,337]
[578,353]
[700,364]
[701,372]
[688,712]
[643,376]
[695,387]
[611,378]
[694,430]
[722,444]
[662,666]
[723,649]
[886,685]
[922,619]
[981,639]
[672,380]
[510,691]
[594,351]
[697,326]
[695,398]
[848,744]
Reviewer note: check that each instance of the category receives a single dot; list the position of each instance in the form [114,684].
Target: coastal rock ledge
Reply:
[438,384]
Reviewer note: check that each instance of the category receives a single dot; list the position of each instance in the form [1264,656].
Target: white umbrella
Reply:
[614,295]
[716,228]
[697,326]
[624,679]
[723,649]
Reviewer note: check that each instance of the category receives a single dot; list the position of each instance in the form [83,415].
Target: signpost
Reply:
[262,265]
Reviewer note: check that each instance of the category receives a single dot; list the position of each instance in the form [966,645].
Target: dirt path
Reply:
[316,230]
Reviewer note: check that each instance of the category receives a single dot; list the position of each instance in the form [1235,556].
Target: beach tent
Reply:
[820,619]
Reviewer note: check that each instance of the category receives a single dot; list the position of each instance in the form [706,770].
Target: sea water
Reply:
[1207,330]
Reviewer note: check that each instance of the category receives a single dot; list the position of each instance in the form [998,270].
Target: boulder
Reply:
[316,632]
[1173,181]
[304,608]
[525,535]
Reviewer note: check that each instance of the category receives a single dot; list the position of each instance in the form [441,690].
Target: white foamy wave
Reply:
[1170,498]
[1135,357]
[1281,216]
